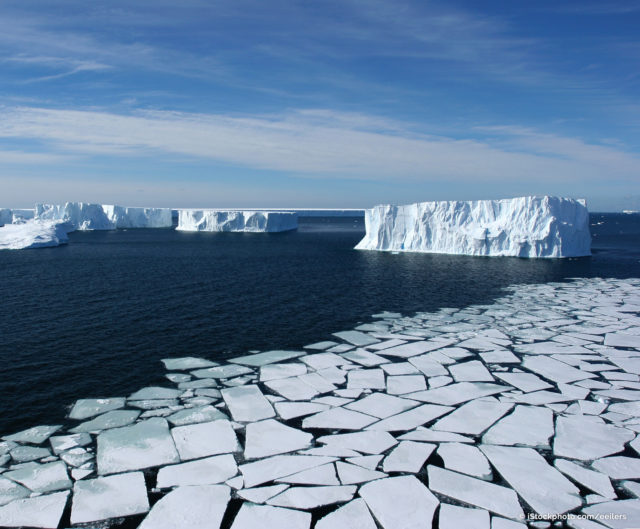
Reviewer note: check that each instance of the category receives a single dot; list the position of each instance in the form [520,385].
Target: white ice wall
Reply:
[123,217]
[523,227]
[83,216]
[236,220]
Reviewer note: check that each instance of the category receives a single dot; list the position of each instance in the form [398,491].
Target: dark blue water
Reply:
[94,318]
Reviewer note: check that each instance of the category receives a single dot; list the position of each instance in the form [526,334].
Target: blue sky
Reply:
[345,103]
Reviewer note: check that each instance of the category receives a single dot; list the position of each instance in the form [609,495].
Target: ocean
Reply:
[94,318]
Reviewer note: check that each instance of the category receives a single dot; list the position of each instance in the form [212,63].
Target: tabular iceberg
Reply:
[123,217]
[236,220]
[32,234]
[522,227]
[83,216]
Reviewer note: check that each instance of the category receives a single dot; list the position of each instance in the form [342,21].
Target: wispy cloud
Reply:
[324,144]
[13,157]
[65,66]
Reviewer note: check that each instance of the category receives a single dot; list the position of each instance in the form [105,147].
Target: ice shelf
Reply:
[522,227]
[236,220]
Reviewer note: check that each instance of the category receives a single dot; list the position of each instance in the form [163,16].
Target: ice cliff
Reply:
[83,216]
[236,220]
[10,216]
[522,227]
[32,234]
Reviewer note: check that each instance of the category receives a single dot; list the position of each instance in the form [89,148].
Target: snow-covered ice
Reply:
[595,481]
[210,470]
[382,405]
[322,475]
[41,478]
[522,227]
[494,498]
[400,502]
[455,517]
[335,432]
[204,439]
[312,497]
[457,393]
[247,403]
[350,474]
[525,426]
[142,445]
[236,220]
[32,234]
[251,516]
[338,418]
[10,491]
[111,419]
[270,437]
[36,435]
[109,497]
[352,515]
[474,417]
[200,506]
[85,408]
[545,489]
[407,456]
[84,216]
[587,438]
[465,458]
[268,469]
[368,442]
[39,511]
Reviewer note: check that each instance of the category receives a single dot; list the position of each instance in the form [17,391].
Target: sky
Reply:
[327,104]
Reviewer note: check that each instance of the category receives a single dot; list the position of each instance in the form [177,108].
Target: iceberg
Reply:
[521,227]
[83,216]
[123,217]
[15,216]
[236,220]
[76,215]
[32,234]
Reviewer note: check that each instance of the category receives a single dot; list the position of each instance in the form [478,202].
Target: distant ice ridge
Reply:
[124,217]
[236,220]
[83,216]
[11,216]
[32,234]
[521,227]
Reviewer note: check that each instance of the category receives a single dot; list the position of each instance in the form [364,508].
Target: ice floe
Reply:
[40,511]
[455,517]
[109,497]
[495,498]
[199,506]
[251,516]
[533,478]
[142,445]
[204,439]
[400,502]
[352,515]
[209,470]
[247,403]
[407,456]
[526,403]
[465,458]
[270,437]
